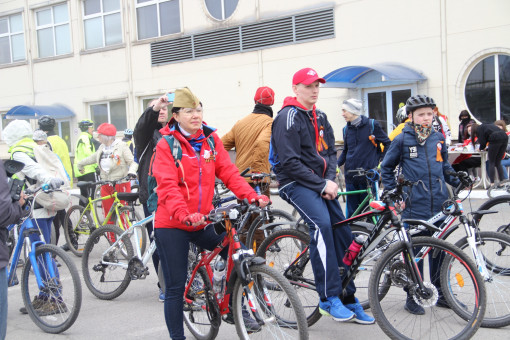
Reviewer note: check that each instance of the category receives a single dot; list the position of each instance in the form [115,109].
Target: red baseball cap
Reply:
[264,95]
[107,129]
[306,76]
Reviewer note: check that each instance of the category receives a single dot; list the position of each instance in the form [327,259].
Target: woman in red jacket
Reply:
[185,196]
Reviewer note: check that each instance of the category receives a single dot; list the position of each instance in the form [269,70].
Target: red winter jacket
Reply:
[177,198]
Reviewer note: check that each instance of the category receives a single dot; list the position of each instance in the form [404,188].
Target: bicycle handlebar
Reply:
[371,174]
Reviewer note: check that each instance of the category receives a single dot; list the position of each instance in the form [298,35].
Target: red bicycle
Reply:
[254,296]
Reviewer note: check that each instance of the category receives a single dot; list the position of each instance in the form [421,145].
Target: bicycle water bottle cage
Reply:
[378,205]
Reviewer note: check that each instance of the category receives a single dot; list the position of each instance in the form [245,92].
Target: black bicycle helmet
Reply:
[418,101]
[85,124]
[46,123]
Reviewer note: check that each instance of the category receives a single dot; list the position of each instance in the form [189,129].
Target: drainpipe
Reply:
[444,56]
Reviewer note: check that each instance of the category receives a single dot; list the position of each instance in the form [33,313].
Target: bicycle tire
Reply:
[202,318]
[437,322]
[106,281]
[134,216]
[78,226]
[282,297]
[495,248]
[280,249]
[500,189]
[494,222]
[98,205]
[63,295]
[275,215]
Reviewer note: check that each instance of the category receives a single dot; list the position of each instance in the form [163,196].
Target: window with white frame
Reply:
[113,112]
[487,90]
[53,32]
[155,18]
[221,9]
[102,23]
[12,39]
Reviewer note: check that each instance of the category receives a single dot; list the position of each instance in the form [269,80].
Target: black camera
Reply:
[15,188]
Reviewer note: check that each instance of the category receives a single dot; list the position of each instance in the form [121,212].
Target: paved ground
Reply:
[137,314]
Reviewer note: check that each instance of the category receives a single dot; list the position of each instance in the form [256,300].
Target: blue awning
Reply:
[34,112]
[372,76]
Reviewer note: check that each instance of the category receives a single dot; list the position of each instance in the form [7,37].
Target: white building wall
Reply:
[442,39]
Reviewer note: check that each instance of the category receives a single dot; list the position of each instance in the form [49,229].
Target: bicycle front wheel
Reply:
[105,262]
[78,226]
[280,250]
[202,314]
[271,295]
[452,303]
[129,216]
[494,248]
[55,307]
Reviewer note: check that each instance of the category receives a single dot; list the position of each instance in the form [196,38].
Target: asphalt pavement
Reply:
[137,314]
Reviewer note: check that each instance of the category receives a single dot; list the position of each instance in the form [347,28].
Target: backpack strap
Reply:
[371,126]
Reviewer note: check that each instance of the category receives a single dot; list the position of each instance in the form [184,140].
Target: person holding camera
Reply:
[115,161]
[10,212]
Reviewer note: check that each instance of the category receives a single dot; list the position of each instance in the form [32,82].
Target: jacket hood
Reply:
[292,101]
[16,131]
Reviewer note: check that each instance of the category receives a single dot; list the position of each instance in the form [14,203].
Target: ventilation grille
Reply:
[266,34]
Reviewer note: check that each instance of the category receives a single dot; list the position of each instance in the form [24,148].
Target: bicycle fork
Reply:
[473,245]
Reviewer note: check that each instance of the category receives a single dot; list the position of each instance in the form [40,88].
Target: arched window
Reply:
[488,89]
[221,9]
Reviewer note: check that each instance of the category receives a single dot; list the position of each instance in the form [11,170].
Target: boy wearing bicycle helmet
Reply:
[423,158]
[304,161]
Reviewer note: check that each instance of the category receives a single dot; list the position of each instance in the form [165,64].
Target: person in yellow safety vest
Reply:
[128,139]
[402,118]
[85,146]
[57,144]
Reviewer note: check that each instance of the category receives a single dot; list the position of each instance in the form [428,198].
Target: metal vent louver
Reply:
[283,31]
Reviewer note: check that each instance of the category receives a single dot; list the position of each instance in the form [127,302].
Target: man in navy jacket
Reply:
[362,138]
[304,159]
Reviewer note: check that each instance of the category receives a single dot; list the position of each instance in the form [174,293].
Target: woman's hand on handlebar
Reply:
[262,200]
[193,220]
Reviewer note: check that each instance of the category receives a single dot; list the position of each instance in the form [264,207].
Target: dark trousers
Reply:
[173,247]
[58,221]
[354,201]
[495,152]
[87,191]
[327,244]
[150,228]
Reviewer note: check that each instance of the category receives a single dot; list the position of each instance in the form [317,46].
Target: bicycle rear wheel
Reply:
[500,189]
[55,307]
[78,226]
[495,249]
[129,215]
[460,292]
[281,249]
[202,314]
[495,222]
[275,215]
[276,302]
[105,267]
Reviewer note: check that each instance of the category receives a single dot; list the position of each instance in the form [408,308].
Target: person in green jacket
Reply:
[85,146]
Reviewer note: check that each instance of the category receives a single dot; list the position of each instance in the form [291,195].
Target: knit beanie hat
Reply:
[264,95]
[353,106]
[39,135]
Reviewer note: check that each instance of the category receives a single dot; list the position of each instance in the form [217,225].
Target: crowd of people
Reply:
[297,143]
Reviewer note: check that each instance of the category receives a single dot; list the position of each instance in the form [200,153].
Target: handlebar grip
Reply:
[245,171]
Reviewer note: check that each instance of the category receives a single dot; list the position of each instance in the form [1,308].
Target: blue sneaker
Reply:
[335,308]
[161,296]
[360,315]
